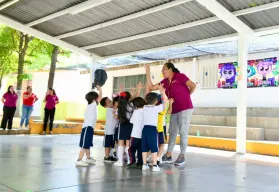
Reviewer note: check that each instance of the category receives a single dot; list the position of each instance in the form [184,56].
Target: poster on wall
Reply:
[228,75]
[260,73]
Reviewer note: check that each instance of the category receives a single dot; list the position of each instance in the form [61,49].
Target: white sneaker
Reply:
[81,164]
[118,164]
[145,167]
[156,168]
[91,161]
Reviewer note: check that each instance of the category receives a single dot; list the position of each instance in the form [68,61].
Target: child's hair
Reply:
[91,97]
[114,100]
[151,98]
[160,100]
[138,102]
[103,101]
[124,103]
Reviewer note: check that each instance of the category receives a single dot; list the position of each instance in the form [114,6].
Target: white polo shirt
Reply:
[150,114]
[110,122]
[137,121]
[90,115]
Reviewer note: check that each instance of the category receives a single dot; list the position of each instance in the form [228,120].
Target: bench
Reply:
[225,132]
[36,127]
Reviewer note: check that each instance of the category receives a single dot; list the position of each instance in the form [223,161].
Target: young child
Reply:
[109,130]
[161,127]
[135,143]
[149,132]
[125,111]
[115,106]
[90,119]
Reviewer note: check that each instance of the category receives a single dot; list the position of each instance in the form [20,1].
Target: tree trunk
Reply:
[54,56]
[22,50]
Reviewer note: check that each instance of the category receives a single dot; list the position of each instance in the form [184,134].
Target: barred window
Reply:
[128,83]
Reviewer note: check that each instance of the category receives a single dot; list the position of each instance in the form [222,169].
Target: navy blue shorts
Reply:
[109,141]
[161,137]
[116,134]
[125,131]
[149,140]
[86,138]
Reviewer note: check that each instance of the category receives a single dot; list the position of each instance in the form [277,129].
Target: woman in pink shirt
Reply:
[9,99]
[51,100]
[179,88]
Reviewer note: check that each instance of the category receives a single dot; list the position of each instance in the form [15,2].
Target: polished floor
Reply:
[46,163]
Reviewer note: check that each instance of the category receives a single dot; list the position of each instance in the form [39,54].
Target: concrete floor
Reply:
[46,163]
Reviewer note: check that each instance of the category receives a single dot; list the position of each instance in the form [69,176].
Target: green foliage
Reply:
[8,59]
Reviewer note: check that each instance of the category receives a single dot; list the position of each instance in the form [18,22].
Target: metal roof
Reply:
[109,28]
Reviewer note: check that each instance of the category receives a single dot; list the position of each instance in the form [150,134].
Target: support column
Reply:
[92,70]
[242,94]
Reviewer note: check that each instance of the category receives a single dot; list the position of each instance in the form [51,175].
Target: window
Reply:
[129,82]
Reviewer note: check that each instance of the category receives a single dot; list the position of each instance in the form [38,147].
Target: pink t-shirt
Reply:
[179,92]
[51,101]
[10,99]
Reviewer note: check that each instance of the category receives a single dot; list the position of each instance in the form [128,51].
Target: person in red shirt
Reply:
[29,98]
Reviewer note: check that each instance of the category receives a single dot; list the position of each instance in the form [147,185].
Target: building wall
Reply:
[207,94]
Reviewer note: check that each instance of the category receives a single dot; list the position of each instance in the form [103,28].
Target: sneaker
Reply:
[114,159]
[180,160]
[43,133]
[51,133]
[118,164]
[81,164]
[110,159]
[145,167]
[166,159]
[91,161]
[132,166]
[156,168]
[107,159]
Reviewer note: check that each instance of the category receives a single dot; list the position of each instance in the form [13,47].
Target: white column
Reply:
[242,94]
[92,70]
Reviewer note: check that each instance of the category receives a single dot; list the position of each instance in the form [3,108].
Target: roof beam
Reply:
[8,4]
[125,18]
[71,10]
[28,30]
[184,26]
[224,38]
[225,15]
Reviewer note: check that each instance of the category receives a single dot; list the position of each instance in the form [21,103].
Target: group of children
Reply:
[134,126]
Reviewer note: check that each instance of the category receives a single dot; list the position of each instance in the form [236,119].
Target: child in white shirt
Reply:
[149,132]
[90,119]
[135,142]
[110,125]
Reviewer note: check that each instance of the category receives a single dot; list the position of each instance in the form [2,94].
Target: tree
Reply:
[7,56]
[54,52]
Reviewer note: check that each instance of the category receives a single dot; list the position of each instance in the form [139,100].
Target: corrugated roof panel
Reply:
[99,14]
[29,10]
[235,5]
[186,35]
[171,17]
[262,19]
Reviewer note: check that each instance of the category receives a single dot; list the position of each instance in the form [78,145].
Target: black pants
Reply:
[49,115]
[135,147]
[8,115]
